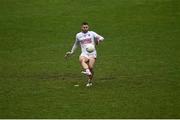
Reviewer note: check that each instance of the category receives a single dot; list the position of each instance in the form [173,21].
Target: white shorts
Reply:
[89,55]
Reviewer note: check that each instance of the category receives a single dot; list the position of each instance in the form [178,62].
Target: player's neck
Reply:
[84,32]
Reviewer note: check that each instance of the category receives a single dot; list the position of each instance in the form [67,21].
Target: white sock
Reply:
[87,70]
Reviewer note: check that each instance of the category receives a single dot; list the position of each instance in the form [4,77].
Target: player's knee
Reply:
[82,61]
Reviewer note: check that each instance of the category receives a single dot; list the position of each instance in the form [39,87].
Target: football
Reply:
[90,48]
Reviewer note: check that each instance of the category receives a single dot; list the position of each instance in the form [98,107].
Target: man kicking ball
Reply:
[87,41]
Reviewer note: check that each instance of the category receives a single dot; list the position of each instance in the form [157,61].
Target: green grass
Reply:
[137,70]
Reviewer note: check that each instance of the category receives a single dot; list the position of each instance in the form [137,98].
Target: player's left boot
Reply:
[89,83]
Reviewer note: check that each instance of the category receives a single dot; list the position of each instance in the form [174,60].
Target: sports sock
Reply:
[88,71]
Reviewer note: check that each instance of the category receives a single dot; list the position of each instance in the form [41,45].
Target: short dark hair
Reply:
[85,23]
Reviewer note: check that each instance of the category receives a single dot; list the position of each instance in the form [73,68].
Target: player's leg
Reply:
[84,63]
[91,63]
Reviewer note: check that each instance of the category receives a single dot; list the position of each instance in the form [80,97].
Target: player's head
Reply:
[84,27]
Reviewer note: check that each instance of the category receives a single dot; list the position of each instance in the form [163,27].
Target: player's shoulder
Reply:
[92,32]
[78,34]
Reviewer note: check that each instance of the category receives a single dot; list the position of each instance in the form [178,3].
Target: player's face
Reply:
[84,28]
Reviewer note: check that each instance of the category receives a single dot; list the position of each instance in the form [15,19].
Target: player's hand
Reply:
[68,54]
[97,42]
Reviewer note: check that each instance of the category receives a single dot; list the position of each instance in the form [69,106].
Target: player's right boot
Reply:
[87,72]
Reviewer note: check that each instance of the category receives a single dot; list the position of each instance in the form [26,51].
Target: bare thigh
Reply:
[83,59]
[91,62]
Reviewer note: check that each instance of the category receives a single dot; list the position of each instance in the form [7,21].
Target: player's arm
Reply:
[98,38]
[74,46]
[76,43]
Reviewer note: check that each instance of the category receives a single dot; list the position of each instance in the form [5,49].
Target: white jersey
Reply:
[83,39]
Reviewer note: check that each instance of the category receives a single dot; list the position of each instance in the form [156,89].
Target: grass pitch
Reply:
[137,70]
